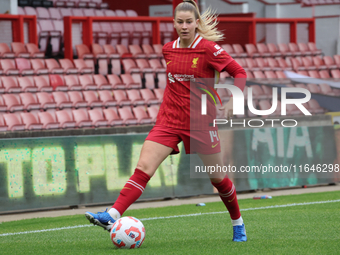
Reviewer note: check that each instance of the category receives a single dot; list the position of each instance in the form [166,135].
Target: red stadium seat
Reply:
[77,99]
[3,106]
[115,81]
[13,122]
[38,66]
[158,48]
[31,121]
[30,101]
[315,107]
[3,126]
[274,50]
[5,51]
[274,65]
[130,81]
[308,64]
[284,64]
[46,100]
[319,63]
[68,66]
[92,99]
[159,94]
[252,51]
[121,98]
[337,60]
[294,49]
[156,65]
[83,52]
[116,66]
[65,119]
[53,66]
[123,51]
[144,66]
[55,13]
[148,96]
[263,50]
[47,120]
[324,74]
[24,66]
[153,112]
[42,13]
[149,51]
[239,50]
[141,115]
[149,81]
[335,73]
[252,64]
[130,66]
[229,49]
[312,47]
[34,51]
[57,82]
[284,50]
[135,97]
[136,51]
[313,88]
[303,48]
[81,118]
[127,116]
[106,97]
[262,63]
[97,118]
[101,82]
[112,117]
[330,63]
[10,84]
[110,51]
[87,82]
[72,82]
[83,67]
[162,80]
[62,99]
[8,67]
[13,102]
[20,50]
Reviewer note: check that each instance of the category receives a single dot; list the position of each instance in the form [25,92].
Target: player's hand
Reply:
[228,109]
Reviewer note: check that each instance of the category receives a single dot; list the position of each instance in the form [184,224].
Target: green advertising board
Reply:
[51,172]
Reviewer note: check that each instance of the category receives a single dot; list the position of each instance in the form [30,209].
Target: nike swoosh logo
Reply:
[110,222]
[214,145]
[168,62]
[126,188]
[231,200]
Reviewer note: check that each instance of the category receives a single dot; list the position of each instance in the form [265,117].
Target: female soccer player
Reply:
[194,55]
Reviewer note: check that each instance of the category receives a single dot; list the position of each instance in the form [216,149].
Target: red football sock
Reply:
[227,192]
[132,190]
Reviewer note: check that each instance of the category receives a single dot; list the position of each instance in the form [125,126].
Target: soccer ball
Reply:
[128,233]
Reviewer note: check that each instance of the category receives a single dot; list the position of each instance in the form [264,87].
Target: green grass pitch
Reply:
[303,227]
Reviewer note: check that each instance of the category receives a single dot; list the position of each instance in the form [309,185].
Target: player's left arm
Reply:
[221,61]
[239,74]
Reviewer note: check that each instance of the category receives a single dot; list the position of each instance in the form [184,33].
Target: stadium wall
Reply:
[55,169]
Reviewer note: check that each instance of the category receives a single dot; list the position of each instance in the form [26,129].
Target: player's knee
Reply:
[216,180]
[145,167]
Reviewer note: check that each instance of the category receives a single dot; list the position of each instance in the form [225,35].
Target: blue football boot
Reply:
[102,219]
[239,233]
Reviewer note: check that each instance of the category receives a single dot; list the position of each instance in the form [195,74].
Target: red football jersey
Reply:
[202,59]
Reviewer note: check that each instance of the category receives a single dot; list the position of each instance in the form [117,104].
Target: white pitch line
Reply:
[178,216]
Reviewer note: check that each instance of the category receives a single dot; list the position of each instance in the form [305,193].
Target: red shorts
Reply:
[195,141]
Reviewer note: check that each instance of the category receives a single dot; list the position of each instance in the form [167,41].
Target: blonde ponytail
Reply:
[207,21]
